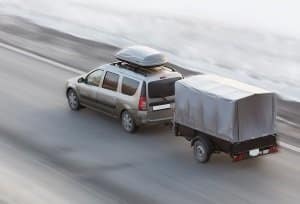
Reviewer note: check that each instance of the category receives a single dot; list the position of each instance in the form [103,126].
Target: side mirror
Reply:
[81,80]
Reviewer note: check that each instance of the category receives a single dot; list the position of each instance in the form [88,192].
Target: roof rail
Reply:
[131,67]
[141,70]
[171,66]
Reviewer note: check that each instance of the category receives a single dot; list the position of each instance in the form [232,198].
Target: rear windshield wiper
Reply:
[164,98]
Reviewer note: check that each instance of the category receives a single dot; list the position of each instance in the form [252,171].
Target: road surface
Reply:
[26,179]
[151,166]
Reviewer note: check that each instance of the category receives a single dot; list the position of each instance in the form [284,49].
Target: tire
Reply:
[128,122]
[73,100]
[202,150]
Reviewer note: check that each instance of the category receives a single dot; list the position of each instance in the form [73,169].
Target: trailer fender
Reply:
[199,136]
[194,140]
[203,137]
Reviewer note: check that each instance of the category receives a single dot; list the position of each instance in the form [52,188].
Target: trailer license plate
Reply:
[254,152]
[266,151]
[161,107]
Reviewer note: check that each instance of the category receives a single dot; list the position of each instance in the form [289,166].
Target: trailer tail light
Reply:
[239,157]
[273,149]
[247,155]
[143,99]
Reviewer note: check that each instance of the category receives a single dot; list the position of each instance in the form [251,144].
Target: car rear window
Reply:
[162,88]
[129,86]
[110,81]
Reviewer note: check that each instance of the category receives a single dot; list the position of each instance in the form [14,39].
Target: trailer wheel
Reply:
[202,150]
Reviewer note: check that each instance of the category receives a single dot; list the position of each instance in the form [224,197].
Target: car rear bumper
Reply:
[154,117]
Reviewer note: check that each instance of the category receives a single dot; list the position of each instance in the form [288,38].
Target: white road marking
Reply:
[288,146]
[287,122]
[43,59]
[76,71]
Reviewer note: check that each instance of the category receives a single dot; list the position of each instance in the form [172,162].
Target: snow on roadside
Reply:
[252,41]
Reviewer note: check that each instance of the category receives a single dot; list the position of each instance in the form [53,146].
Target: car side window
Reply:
[110,81]
[94,78]
[129,86]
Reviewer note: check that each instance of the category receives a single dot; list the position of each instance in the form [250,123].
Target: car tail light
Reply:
[143,98]
[142,103]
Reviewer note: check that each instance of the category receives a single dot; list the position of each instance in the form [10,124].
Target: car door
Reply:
[108,93]
[88,89]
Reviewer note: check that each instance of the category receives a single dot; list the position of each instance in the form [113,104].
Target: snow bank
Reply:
[253,41]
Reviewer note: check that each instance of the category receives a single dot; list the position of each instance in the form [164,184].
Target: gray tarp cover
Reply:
[225,108]
[142,56]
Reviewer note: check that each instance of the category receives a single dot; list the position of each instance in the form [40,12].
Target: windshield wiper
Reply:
[164,98]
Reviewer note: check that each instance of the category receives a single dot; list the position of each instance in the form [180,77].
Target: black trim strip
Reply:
[86,98]
[105,104]
[98,102]
[161,102]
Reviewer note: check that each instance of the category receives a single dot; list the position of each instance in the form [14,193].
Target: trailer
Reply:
[217,114]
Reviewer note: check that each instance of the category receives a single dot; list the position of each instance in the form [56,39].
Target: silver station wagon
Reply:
[138,89]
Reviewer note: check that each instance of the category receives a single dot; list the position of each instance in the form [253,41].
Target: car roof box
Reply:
[142,56]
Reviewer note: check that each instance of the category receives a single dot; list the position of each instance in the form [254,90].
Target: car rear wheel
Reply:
[73,100]
[128,122]
[202,150]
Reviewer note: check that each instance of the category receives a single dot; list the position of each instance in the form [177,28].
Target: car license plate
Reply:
[161,107]
[254,152]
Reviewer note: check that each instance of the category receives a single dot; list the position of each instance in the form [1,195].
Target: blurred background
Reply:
[253,41]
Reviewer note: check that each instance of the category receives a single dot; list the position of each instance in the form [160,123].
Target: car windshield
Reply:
[162,88]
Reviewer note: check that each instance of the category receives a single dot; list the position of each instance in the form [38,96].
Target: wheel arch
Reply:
[121,108]
[200,136]
[68,89]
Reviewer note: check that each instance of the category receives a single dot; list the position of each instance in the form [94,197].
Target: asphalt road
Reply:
[151,166]
[27,179]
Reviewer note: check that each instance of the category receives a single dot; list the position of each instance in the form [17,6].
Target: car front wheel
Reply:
[73,100]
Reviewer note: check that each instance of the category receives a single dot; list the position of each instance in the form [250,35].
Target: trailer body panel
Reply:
[224,108]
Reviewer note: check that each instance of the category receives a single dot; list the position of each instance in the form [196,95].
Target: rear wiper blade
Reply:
[165,99]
